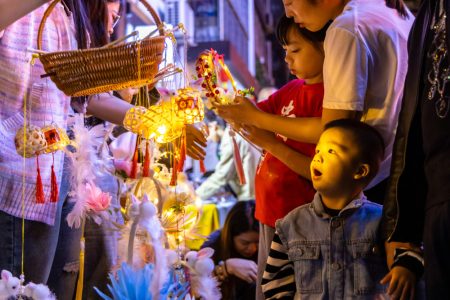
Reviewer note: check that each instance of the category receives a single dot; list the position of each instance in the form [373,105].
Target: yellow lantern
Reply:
[158,122]
[56,138]
[188,105]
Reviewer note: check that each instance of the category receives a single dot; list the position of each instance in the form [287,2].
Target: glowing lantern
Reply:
[188,105]
[158,122]
[56,138]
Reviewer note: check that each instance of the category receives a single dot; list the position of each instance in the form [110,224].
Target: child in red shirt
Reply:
[282,180]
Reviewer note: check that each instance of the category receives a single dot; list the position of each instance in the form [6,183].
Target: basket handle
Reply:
[49,9]
[155,16]
[44,18]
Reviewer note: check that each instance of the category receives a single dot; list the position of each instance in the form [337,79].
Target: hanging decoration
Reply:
[220,89]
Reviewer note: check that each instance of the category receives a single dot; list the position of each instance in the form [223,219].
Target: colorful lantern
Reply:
[56,138]
[188,105]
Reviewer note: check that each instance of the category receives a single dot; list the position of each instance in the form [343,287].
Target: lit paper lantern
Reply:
[188,105]
[56,138]
[159,122]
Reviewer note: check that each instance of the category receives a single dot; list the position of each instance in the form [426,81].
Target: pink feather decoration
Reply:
[96,200]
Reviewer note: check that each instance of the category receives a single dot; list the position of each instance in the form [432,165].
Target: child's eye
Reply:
[317,151]
[296,51]
[331,151]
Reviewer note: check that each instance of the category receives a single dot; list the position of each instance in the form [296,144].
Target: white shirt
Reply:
[225,171]
[366,61]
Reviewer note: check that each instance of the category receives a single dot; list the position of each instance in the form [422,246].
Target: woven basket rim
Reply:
[156,39]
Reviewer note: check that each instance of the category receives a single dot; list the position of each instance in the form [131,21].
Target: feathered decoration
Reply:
[38,292]
[84,169]
[133,284]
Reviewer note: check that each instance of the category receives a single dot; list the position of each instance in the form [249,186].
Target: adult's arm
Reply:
[9,12]
[107,107]
[307,130]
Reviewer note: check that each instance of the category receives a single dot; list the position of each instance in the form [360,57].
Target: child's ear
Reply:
[362,172]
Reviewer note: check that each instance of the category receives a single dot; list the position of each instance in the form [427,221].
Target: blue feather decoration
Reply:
[131,284]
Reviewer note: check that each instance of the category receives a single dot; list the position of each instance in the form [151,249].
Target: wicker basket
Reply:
[98,70]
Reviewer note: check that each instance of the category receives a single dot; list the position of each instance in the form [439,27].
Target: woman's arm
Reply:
[307,130]
[9,12]
[110,108]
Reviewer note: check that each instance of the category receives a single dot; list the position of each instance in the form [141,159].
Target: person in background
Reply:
[417,205]
[235,252]
[330,248]
[225,175]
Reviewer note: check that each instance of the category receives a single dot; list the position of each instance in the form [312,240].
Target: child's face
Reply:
[311,14]
[335,165]
[303,59]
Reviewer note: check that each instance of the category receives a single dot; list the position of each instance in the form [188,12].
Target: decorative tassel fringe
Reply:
[146,168]
[173,179]
[238,162]
[134,166]
[54,184]
[182,152]
[40,197]
[202,166]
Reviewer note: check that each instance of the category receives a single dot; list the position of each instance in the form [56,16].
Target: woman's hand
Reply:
[195,142]
[244,269]
[243,112]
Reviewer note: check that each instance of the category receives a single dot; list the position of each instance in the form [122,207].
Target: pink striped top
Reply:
[46,105]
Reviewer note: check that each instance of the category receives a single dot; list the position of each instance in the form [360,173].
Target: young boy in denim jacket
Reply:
[328,249]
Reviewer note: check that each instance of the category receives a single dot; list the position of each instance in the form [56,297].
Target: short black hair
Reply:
[369,141]
[285,24]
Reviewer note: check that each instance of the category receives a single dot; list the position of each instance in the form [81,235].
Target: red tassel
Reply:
[202,166]
[238,162]
[54,184]
[40,197]
[173,179]
[182,153]
[134,166]
[146,169]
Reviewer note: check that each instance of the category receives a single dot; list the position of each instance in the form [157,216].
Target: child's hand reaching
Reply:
[259,137]
[402,283]
[243,112]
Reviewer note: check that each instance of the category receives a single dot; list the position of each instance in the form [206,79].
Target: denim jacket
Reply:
[335,257]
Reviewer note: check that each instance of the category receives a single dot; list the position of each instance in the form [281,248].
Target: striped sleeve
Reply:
[278,280]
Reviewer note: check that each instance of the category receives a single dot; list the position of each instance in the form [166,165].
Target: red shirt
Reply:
[279,189]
